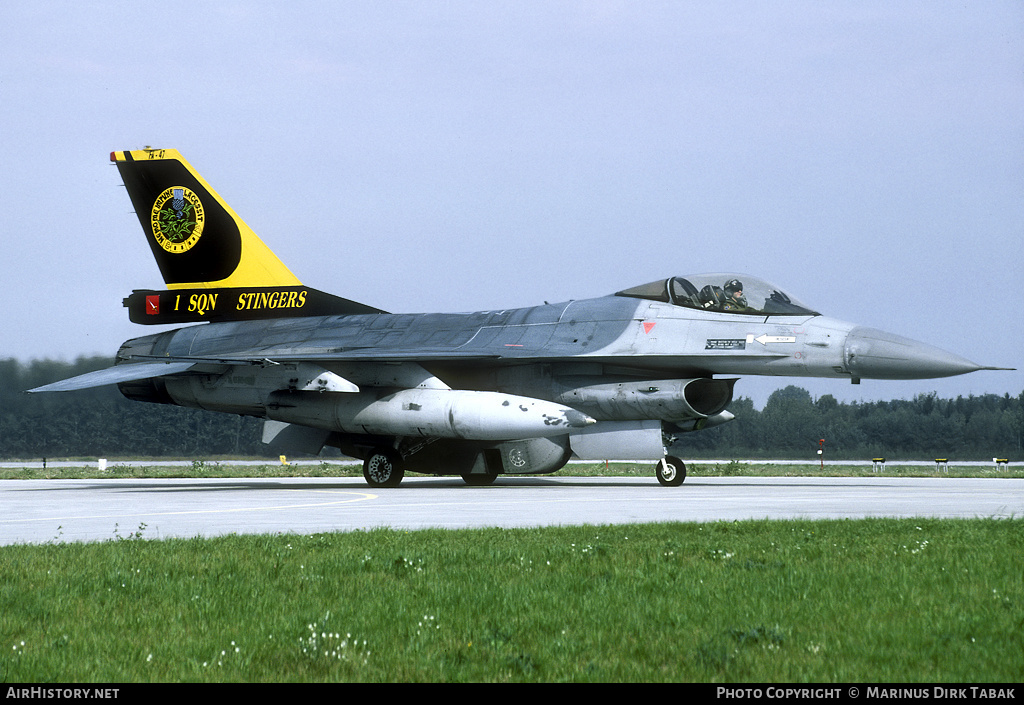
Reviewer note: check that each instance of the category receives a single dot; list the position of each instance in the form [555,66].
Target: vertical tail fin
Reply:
[215,266]
[197,240]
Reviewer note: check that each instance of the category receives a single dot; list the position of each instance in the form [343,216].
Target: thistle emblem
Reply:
[177,219]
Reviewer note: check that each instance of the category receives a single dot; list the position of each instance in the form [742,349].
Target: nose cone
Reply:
[875,354]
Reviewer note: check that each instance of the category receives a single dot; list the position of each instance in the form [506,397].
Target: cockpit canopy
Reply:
[729,293]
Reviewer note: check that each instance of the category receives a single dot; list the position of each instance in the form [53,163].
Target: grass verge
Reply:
[213,468]
[834,601]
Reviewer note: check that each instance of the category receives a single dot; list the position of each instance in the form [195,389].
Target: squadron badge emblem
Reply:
[177,219]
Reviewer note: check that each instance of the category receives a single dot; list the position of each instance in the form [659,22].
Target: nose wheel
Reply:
[671,471]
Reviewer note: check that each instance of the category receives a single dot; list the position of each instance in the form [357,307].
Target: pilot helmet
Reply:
[733,285]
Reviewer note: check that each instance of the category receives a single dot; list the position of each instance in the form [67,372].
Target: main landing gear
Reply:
[383,468]
[671,471]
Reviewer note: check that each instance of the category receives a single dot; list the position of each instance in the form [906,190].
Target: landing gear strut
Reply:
[671,471]
[382,468]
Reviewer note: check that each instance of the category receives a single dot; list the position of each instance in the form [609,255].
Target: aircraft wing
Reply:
[165,366]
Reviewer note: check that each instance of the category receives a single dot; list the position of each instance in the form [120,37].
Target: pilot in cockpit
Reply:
[734,298]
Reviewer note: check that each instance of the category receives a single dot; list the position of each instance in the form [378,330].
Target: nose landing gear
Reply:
[671,471]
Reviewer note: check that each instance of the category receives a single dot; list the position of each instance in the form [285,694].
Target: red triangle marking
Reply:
[649,326]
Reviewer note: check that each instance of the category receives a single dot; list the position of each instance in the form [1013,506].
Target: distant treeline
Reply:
[923,428]
[102,423]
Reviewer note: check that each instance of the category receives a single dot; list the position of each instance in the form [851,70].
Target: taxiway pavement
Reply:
[37,511]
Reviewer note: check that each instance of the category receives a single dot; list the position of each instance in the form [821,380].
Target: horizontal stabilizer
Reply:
[116,374]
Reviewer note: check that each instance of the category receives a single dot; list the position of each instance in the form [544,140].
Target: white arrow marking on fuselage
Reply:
[765,339]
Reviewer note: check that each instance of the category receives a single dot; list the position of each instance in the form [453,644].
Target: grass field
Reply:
[214,468]
[840,601]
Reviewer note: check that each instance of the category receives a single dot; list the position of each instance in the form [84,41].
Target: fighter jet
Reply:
[515,391]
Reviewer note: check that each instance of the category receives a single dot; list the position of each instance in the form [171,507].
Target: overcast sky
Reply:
[867,157]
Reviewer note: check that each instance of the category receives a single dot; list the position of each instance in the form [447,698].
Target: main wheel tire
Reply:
[382,468]
[671,471]
[479,479]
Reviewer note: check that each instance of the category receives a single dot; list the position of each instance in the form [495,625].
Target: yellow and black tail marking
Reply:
[214,265]
[197,240]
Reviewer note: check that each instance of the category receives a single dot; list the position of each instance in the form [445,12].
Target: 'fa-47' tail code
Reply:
[215,266]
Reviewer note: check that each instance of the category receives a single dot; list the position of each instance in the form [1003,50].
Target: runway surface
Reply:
[37,511]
